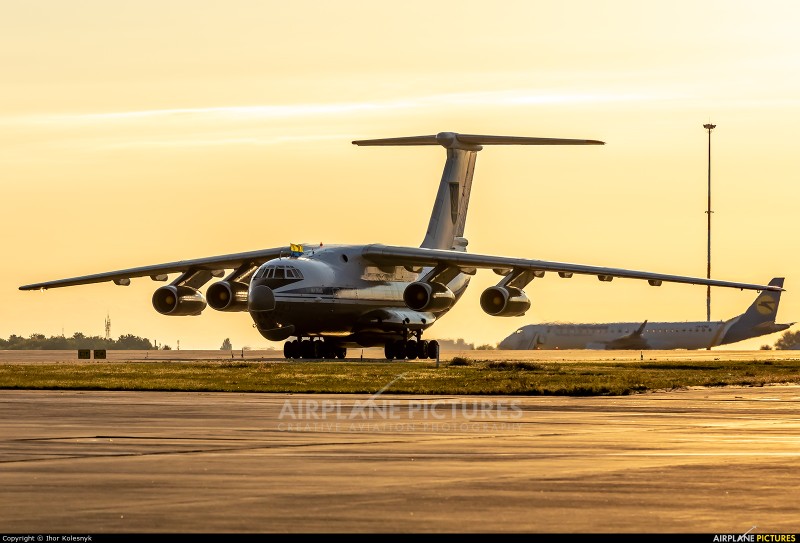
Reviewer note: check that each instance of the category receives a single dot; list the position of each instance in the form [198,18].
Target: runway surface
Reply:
[716,461]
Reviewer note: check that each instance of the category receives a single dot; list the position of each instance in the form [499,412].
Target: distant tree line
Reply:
[38,342]
[129,342]
[789,340]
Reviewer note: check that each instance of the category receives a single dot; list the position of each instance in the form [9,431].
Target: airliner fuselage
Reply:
[622,335]
[757,320]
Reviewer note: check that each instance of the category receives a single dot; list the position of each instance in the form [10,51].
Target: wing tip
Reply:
[35,286]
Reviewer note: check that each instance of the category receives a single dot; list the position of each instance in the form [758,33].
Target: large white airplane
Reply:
[322,300]
[758,320]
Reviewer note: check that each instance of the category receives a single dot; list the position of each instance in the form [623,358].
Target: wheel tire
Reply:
[388,350]
[411,349]
[433,349]
[422,349]
[307,349]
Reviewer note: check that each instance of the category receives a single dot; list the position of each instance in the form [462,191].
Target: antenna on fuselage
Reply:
[449,213]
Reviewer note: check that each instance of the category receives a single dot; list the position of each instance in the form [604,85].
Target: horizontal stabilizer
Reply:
[452,139]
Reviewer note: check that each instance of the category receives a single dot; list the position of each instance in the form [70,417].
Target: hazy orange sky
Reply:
[135,133]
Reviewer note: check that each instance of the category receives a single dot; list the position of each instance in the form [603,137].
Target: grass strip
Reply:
[458,376]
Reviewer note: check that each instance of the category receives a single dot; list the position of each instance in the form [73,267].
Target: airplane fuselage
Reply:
[666,335]
[334,293]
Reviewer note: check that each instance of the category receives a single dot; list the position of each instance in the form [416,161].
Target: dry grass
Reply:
[575,373]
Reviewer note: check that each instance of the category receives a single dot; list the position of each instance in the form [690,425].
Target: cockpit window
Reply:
[277,271]
[277,275]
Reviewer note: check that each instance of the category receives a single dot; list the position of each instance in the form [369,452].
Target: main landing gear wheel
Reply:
[411,349]
[288,349]
[422,348]
[313,349]
[433,349]
[291,349]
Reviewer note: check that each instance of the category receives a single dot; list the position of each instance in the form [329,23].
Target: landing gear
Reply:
[411,348]
[313,349]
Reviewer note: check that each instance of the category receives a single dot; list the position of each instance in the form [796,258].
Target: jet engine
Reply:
[422,296]
[227,296]
[505,301]
[178,300]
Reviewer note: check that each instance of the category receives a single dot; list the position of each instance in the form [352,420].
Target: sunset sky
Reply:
[136,133]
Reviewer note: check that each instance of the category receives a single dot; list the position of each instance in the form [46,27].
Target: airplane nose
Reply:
[261,298]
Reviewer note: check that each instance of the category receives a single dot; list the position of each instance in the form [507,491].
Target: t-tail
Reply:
[449,215]
[759,319]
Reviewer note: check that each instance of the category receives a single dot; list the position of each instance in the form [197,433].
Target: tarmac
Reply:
[697,461]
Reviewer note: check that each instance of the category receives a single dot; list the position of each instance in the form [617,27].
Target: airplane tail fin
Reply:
[759,319]
[449,215]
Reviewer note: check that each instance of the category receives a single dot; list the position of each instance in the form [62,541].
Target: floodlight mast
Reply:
[709,127]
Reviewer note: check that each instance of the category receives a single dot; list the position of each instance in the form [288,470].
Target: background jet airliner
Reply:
[758,320]
[322,300]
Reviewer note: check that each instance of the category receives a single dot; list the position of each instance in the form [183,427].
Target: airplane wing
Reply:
[421,257]
[158,272]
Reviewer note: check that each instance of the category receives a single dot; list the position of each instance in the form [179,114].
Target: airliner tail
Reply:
[759,319]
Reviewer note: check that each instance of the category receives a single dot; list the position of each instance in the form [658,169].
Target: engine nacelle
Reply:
[421,296]
[504,301]
[227,296]
[178,301]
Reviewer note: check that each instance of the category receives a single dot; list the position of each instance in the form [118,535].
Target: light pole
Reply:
[709,127]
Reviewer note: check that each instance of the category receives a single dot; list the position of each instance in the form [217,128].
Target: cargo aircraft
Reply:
[758,320]
[320,300]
